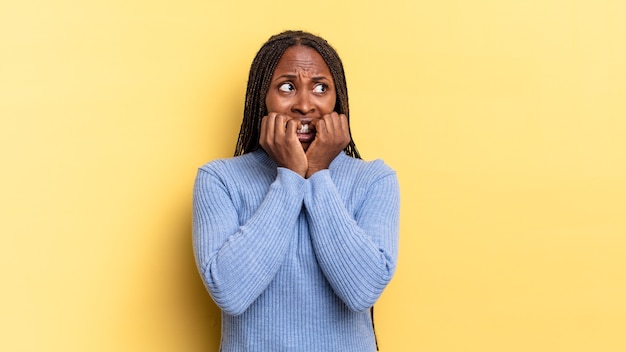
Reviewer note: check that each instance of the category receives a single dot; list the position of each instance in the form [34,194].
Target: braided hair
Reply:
[261,72]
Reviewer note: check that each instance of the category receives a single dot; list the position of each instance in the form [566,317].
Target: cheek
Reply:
[274,103]
[329,105]
[268,103]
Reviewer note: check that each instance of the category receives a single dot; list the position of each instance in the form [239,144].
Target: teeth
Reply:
[304,128]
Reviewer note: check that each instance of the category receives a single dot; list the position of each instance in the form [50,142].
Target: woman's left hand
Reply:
[332,135]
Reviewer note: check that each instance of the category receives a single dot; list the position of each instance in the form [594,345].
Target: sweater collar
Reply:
[264,159]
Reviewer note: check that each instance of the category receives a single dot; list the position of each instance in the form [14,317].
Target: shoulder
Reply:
[254,162]
[221,165]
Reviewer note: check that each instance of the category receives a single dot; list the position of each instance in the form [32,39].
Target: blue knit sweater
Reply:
[295,264]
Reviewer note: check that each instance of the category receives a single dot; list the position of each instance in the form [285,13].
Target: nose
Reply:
[303,104]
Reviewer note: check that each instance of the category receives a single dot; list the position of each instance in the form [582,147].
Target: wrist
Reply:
[313,169]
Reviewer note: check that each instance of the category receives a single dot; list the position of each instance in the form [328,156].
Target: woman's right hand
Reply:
[280,141]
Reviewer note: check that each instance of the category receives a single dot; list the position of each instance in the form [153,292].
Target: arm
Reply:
[237,263]
[357,255]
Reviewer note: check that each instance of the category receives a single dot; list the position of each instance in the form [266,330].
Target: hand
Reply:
[332,135]
[279,140]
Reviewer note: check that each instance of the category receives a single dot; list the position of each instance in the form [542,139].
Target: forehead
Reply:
[302,59]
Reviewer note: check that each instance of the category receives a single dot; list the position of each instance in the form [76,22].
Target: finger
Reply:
[263,132]
[279,126]
[263,124]
[321,129]
[292,127]
[269,128]
[335,123]
[345,127]
[331,124]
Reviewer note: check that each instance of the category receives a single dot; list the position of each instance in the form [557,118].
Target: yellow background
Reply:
[506,122]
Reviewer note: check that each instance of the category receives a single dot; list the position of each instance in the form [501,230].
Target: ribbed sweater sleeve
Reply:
[357,251]
[237,262]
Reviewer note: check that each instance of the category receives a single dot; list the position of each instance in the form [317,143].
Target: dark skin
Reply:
[302,92]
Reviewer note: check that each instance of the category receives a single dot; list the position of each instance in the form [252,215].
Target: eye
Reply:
[286,87]
[320,88]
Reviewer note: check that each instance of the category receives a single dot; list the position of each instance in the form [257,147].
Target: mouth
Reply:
[304,128]
[305,133]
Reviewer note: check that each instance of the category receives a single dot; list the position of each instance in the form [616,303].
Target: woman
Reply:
[296,237]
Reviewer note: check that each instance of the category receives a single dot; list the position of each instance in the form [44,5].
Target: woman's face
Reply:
[302,88]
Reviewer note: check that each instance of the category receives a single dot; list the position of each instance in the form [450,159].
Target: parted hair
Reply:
[261,72]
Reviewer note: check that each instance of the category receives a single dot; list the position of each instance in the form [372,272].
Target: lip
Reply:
[306,137]
[304,120]
[306,131]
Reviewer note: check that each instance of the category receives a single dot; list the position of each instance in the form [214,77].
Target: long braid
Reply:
[261,72]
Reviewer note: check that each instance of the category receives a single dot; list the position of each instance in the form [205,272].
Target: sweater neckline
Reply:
[264,159]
